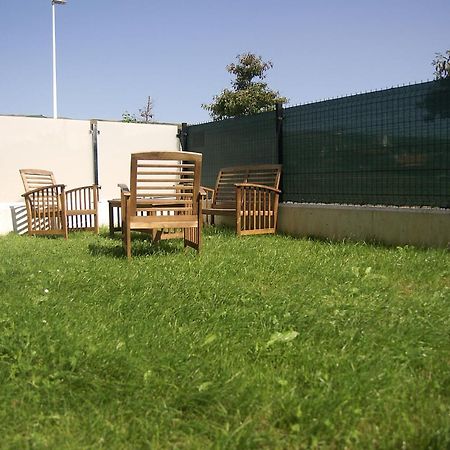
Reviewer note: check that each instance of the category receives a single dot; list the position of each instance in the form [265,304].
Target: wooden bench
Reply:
[250,194]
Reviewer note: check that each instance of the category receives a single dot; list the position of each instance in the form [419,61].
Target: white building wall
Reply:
[65,147]
[116,142]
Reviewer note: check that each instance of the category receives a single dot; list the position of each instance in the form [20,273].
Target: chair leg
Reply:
[96,223]
[199,233]
[96,226]
[128,244]
[65,225]
[111,219]
[126,240]
[199,237]
[238,211]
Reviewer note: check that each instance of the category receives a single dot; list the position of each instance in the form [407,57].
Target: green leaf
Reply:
[204,386]
[209,339]
[287,336]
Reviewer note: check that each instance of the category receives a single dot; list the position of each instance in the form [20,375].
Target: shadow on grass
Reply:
[141,245]
[44,237]
[369,243]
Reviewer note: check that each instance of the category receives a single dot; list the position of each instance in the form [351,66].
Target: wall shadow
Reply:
[19,219]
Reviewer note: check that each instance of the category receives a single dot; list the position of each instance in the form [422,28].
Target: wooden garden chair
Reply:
[248,193]
[77,208]
[164,195]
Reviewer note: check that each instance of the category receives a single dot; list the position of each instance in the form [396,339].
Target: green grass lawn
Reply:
[260,342]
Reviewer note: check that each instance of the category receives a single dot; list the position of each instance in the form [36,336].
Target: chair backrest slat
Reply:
[164,182]
[36,178]
[225,191]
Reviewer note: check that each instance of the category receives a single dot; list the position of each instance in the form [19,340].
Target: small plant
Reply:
[145,114]
[441,65]
[129,118]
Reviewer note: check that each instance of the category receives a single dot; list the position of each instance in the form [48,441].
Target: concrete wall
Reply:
[421,227]
[65,147]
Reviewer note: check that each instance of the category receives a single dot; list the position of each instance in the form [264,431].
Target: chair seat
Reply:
[220,211]
[181,221]
[77,212]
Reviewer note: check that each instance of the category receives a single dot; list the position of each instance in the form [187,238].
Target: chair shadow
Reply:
[19,219]
[141,245]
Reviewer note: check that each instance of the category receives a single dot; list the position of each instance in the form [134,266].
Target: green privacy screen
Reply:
[389,147]
[233,142]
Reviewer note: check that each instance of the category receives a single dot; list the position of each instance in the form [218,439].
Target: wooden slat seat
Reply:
[164,197]
[80,204]
[248,192]
[220,211]
[46,210]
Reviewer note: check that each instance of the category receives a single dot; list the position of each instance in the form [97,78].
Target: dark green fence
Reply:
[389,147]
[234,142]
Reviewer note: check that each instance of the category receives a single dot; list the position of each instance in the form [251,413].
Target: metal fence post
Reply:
[279,140]
[94,133]
[183,136]
[279,131]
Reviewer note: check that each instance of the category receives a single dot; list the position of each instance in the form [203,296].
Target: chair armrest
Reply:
[124,190]
[207,193]
[257,186]
[80,188]
[44,188]
[206,190]
[82,200]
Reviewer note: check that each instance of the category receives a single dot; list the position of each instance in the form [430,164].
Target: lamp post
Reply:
[55,101]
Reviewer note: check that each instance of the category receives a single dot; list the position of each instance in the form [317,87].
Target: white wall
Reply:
[65,147]
[116,142]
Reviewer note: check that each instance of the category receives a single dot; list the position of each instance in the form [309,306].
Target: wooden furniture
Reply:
[81,204]
[115,218]
[164,195]
[250,194]
[46,210]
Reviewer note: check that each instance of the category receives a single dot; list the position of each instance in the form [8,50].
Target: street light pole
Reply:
[55,100]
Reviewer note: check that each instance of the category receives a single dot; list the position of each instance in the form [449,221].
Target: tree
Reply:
[437,100]
[129,118]
[145,114]
[246,96]
[441,64]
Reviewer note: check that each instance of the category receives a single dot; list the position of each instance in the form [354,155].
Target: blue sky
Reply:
[112,54]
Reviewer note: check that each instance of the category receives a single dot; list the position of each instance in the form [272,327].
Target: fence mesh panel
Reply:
[389,147]
[233,142]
